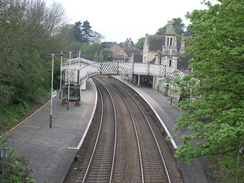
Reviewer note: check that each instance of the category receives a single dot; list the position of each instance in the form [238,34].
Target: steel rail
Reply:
[98,136]
[137,136]
[115,135]
[154,136]
[96,142]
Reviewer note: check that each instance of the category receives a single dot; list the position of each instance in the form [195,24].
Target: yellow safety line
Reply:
[26,118]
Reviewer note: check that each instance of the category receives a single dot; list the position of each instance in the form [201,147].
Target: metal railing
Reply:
[120,68]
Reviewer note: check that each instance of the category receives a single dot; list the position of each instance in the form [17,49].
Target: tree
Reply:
[140,43]
[177,24]
[82,32]
[77,32]
[189,31]
[161,31]
[86,32]
[42,24]
[65,36]
[216,84]
[96,38]
[27,29]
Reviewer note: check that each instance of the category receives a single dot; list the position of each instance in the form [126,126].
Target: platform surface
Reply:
[50,151]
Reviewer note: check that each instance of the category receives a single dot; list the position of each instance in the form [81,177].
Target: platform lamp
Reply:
[69,80]
[61,68]
[51,108]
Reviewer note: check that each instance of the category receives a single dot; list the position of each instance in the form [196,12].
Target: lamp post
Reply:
[51,110]
[69,81]
[61,64]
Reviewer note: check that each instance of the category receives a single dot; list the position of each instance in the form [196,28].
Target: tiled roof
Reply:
[155,42]
[129,52]
[109,44]
[169,29]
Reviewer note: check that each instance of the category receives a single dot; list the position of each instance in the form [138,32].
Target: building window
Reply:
[170,63]
[171,40]
[167,44]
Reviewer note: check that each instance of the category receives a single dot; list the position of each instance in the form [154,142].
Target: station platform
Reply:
[51,151]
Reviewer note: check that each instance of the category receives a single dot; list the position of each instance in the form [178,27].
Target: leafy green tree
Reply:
[107,54]
[214,114]
[189,31]
[65,37]
[178,25]
[24,75]
[161,31]
[15,166]
[139,44]
[96,52]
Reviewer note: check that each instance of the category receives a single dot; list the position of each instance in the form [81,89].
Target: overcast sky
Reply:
[118,20]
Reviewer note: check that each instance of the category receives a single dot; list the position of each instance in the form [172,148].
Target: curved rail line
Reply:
[127,147]
[118,88]
[136,134]
[100,166]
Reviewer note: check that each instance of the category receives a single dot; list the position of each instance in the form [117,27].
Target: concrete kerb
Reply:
[89,124]
[77,148]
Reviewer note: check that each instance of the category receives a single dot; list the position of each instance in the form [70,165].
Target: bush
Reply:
[15,166]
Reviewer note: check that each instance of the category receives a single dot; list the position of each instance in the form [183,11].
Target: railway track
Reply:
[129,146]
[101,164]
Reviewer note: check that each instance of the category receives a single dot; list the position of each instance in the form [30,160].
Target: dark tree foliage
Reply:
[139,44]
[179,26]
[214,114]
[82,32]
[77,32]
[86,32]
[189,31]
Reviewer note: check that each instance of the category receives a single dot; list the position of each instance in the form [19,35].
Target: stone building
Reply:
[123,51]
[165,49]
